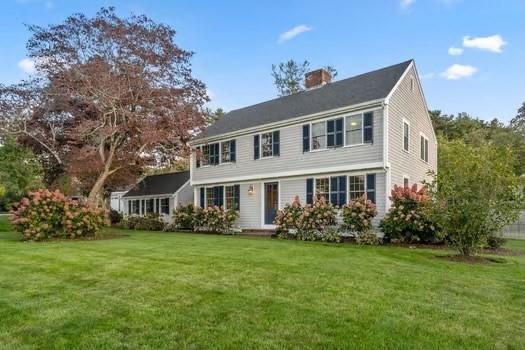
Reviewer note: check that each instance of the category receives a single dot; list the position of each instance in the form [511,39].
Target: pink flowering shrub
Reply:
[45,214]
[408,219]
[308,222]
[184,217]
[216,219]
[358,215]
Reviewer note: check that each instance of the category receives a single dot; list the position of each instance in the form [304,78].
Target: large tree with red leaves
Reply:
[111,95]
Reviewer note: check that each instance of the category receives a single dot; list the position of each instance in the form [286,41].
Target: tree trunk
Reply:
[96,190]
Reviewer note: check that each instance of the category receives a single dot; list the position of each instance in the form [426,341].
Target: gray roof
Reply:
[362,88]
[159,184]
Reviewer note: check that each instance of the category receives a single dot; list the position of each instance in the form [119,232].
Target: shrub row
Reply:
[211,219]
[45,214]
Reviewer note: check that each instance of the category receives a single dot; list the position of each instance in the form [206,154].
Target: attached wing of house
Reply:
[341,140]
[159,194]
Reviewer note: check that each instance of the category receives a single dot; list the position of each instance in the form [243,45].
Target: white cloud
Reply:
[292,33]
[426,76]
[27,65]
[455,51]
[406,3]
[458,71]
[492,43]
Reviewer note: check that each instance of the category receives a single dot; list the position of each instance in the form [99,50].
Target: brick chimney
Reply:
[317,78]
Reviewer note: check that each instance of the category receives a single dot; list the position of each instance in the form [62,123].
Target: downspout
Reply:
[386,161]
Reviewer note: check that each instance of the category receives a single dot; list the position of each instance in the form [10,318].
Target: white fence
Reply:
[517,229]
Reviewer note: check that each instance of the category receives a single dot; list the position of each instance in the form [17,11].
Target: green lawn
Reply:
[168,290]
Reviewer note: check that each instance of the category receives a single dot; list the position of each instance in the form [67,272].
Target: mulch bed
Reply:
[476,259]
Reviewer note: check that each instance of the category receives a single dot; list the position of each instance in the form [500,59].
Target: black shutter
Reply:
[214,157]
[306,137]
[198,156]
[330,133]
[237,195]
[368,128]
[339,132]
[371,187]
[232,151]
[256,147]
[334,193]
[342,190]
[309,191]
[202,197]
[276,143]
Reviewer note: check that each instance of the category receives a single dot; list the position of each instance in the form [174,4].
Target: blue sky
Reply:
[470,53]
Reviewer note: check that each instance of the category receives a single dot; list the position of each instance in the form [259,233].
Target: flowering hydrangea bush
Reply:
[216,219]
[184,217]
[358,215]
[45,214]
[307,222]
[408,219]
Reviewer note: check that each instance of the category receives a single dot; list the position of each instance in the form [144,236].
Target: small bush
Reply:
[408,219]
[216,219]
[184,217]
[367,237]
[307,223]
[148,222]
[494,242]
[45,214]
[114,217]
[358,215]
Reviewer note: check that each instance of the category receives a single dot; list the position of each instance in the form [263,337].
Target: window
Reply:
[424,148]
[232,197]
[354,129]
[356,186]
[228,151]
[322,188]
[149,205]
[135,207]
[267,144]
[210,196]
[406,135]
[205,155]
[319,135]
[165,205]
[406,181]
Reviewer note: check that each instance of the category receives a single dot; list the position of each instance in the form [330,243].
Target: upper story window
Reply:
[406,135]
[228,151]
[319,135]
[424,148]
[354,129]
[215,153]
[266,145]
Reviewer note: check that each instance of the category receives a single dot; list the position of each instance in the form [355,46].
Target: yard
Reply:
[166,290]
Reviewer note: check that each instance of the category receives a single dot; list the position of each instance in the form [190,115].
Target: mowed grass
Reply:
[172,291]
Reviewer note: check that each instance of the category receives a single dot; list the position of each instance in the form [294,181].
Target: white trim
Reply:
[363,107]
[299,172]
[163,195]
[180,188]
[386,150]
[421,134]
[362,129]
[387,99]
[405,121]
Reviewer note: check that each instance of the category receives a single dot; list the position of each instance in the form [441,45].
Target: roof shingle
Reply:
[159,184]
[362,88]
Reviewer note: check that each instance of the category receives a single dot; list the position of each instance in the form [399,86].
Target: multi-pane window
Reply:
[354,129]
[205,156]
[149,205]
[322,188]
[165,205]
[210,196]
[406,135]
[267,144]
[135,207]
[356,186]
[226,152]
[424,148]
[229,194]
[319,135]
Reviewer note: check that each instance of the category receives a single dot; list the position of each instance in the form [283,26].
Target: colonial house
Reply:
[340,140]
[158,194]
